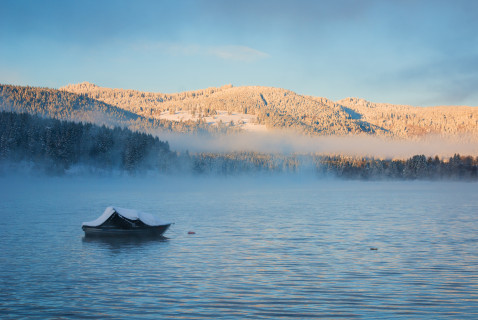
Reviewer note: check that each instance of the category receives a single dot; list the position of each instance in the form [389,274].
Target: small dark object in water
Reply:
[191,232]
[373,248]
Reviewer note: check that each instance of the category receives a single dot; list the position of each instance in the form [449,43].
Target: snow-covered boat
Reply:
[125,222]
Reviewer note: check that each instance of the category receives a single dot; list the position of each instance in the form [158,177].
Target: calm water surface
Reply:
[263,248]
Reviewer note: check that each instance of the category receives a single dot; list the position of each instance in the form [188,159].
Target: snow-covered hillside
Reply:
[258,108]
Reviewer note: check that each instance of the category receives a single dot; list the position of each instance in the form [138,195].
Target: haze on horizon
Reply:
[402,52]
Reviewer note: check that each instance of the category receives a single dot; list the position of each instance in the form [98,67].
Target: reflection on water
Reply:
[120,242]
[259,251]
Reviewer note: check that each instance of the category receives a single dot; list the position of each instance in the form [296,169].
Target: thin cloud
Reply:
[229,52]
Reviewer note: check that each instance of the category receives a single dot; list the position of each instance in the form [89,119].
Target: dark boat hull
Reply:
[108,231]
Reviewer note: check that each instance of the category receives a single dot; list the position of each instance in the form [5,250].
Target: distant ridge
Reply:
[233,109]
[273,107]
[64,105]
[284,109]
[409,122]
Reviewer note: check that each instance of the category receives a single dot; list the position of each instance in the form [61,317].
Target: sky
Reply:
[413,52]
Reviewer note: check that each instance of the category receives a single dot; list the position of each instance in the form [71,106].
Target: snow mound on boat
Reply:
[130,214]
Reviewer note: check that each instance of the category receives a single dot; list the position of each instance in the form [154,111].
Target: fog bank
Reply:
[290,142]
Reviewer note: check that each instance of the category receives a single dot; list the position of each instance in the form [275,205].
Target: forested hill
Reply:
[63,105]
[407,121]
[273,107]
[280,108]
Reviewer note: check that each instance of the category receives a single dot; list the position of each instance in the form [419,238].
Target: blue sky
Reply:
[404,52]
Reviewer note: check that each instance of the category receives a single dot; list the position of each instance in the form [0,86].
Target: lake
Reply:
[264,248]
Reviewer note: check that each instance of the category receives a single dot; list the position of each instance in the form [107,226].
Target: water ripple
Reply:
[258,253]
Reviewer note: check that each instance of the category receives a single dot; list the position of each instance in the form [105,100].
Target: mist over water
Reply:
[287,142]
[267,247]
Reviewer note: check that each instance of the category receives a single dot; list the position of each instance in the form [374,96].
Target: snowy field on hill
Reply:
[246,122]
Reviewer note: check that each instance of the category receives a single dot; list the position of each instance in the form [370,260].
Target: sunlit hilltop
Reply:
[256,108]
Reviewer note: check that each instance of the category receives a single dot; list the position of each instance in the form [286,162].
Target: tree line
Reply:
[234,163]
[56,146]
[417,167]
